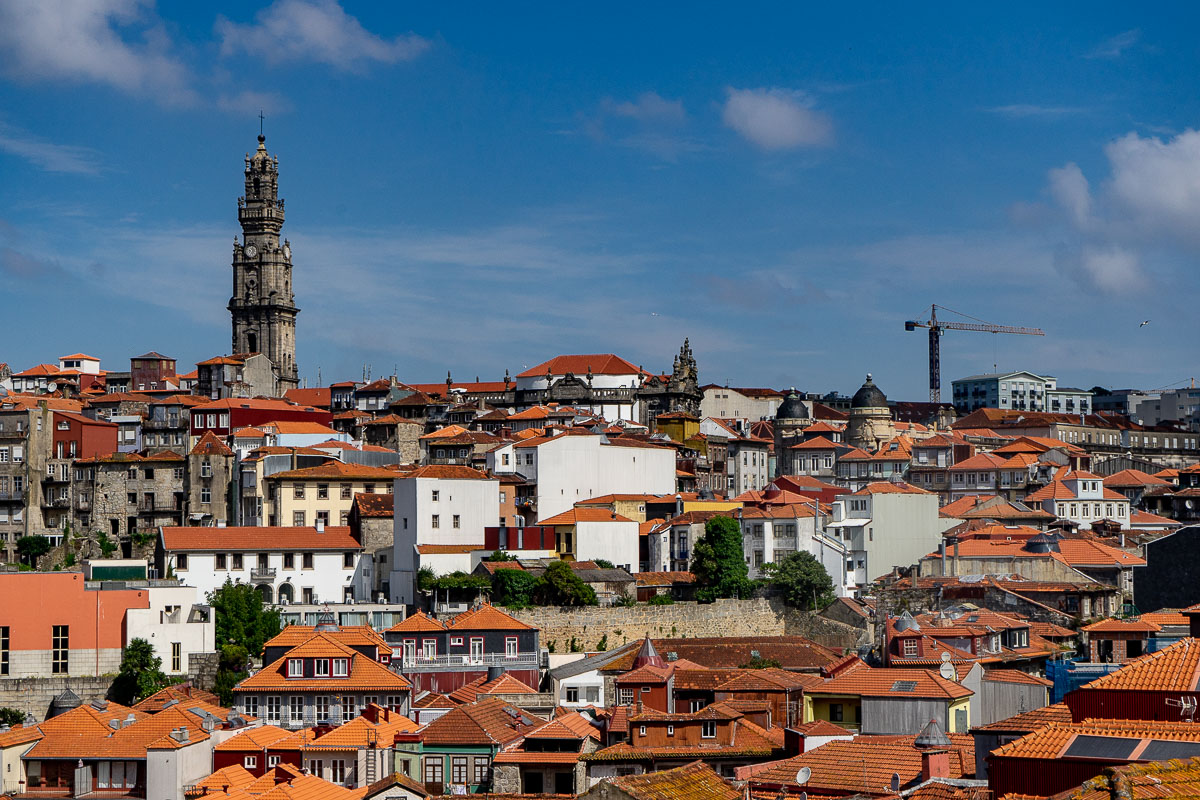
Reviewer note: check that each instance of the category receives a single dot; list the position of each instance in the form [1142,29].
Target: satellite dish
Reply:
[52,386]
[802,775]
[946,658]
[947,671]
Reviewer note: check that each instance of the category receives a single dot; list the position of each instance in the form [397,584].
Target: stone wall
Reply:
[202,670]
[757,616]
[33,695]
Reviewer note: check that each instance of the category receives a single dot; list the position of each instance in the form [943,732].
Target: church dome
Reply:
[792,407]
[869,396]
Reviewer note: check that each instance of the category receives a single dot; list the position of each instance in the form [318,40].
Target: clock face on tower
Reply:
[251,251]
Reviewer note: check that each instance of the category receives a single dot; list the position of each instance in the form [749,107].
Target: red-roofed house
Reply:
[1082,498]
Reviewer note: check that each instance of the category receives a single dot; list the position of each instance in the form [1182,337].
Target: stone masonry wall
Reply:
[33,695]
[750,617]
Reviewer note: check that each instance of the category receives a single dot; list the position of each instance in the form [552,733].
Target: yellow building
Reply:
[889,701]
[321,494]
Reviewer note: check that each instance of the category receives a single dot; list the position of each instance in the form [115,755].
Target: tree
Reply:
[513,587]
[12,717]
[31,548]
[604,563]
[140,675]
[802,580]
[500,555]
[231,670]
[241,617]
[560,586]
[718,562]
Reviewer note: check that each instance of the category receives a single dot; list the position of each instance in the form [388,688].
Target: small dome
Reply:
[907,623]
[1042,543]
[869,396]
[931,736]
[792,407]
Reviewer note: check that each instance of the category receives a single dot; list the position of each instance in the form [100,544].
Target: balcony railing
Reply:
[159,505]
[420,663]
[57,502]
[262,574]
[15,494]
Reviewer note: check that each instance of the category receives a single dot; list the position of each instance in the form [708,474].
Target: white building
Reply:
[885,525]
[600,371]
[440,513]
[753,405]
[571,467]
[285,565]
[590,534]
[772,534]
[1008,390]
[1081,497]
[177,624]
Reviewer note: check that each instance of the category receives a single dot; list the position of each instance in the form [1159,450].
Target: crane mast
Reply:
[936,328]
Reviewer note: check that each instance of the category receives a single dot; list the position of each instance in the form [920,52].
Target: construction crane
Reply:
[936,327]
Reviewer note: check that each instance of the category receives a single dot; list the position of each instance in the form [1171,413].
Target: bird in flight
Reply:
[654,313]
[1144,324]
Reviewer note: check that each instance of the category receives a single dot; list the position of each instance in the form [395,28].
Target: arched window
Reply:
[268,596]
[285,594]
[251,342]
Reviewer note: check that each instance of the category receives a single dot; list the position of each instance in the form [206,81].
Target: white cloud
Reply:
[1070,189]
[249,102]
[776,119]
[118,43]
[1116,46]
[1157,182]
[649,106]
[47,155]
[1110,268]
[1023,110]
[315,30]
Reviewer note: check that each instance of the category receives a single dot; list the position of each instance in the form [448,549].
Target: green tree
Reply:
[242,619]
[31,548]
[802,580]
[718,562]
[604,563]
[560,586]
[500,555]
[513,588]
[140,675]
[231,670]
[758,662]
[12,717]
[425,576]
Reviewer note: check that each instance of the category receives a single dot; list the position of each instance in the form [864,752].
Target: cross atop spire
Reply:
[260,122]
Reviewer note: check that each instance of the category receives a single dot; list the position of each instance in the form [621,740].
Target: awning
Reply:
[849,523]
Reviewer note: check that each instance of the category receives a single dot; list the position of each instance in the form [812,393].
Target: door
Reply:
[533,782]
[410,651]
[476,651]
[960,720]
[564,783]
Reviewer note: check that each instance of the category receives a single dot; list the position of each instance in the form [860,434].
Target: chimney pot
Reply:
[935,764]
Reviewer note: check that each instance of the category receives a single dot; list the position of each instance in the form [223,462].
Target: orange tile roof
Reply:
[489,721]
[818,443]
[598,364]
[359,732]
[1031,720]
[694,781]
[1173,669]
[449,472]
[1052,741]
[820,727]
[181,693]
[365,673]
[254,739]
[84,732]
[1122,626]
[883,487]
[417,623]
[883,682]
[204,539]
[1074,552]
[1134,477]
[210,445]
[1057,489]
[505,684]
[487,618]
[337,469]
[447,549]
[749,741]
[320,397]
[349,635]
[584,514]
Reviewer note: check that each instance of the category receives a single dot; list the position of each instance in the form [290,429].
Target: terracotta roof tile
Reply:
[1172,669]
[365,674]
[584,514]
[417,622]
[694,781]
[487,618]
[203,539]
[488,722]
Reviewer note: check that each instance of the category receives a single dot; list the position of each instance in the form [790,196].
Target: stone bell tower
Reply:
[263,307]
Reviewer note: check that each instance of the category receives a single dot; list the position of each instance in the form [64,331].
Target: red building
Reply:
[151,371]
[1150,688]
[223,417]
[77,436]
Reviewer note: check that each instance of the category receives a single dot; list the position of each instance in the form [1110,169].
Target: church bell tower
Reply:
[263,307]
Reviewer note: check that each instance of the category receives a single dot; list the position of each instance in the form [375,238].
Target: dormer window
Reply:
[321,667]
[341,667]
[295,668]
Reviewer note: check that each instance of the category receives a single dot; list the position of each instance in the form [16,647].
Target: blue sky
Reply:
[475,188]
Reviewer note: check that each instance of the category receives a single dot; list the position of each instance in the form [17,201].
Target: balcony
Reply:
[262,574]
[57,502]
[148,507]
[10,433]
[15,495]
[83,504]
[420,663]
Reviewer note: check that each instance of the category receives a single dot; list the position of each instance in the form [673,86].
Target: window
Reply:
[61,644]
[296,708]
[205,494]
[455,522]
[458,769]
[3,649]
[273,708]
[368,488]
[322,705]
[572,694]
[289,560]
[436,522]
[510,647]
[307,562]
[429,648]
[434,495]
[237,561]
[349,708]
[348,560]
[295,668]
[176,657]
[337,771]
[482,765]
[395,702]
[708,729]
[323,519]
[321,667]
[641,730]
[341,667]
[322,491]
[272,761]
[181,561]
[433,769]
[456,641]
[670,730]
[835,712]
[298,491]
[625,696]
[346,491]
[298,519]
[910,647]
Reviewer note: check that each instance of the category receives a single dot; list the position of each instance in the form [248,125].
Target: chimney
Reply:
[942,547]
[935,764]
[320,525]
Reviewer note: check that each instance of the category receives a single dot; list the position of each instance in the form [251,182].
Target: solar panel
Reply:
[904,686]
[1102,747]
[1159,750]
